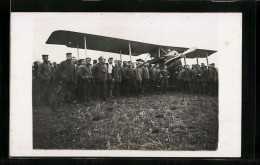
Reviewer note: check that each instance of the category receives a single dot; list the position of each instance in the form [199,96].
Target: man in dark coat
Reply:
[181,79]
[165,74]
[187,79]
[196,78]
[145,78]
[124,80]
[84,80]
[99,73]
[130,77]
[35,80]
[203,79]
[157,75]
[152,81]
[138,78]
[212,79]
[45,76]
[67,74]
[117,77]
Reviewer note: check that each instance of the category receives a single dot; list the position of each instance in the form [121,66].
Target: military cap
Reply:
[88,58]
[119,60]
[80,60]
[213,64]
[101,57]
[110,58]
[115,61]
[68,53]
[45,55]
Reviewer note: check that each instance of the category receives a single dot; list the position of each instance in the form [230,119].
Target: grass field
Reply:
[158,122]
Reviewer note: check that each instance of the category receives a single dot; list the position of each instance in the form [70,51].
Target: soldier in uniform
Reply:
[212,79]
[187,79]
[165,74]
[124,79]
[145,78]
[181,79]
[196,78]
[203,78]
[67,74]
[157,75]
[138,78]
[45,75]
[117,77]
[99,73]
[109,77]
[130,77]
[84,80]
[152,82]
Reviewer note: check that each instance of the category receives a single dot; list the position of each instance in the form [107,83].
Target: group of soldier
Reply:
[79,81]
[198,79]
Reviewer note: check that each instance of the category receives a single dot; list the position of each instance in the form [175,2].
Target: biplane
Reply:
[128,47]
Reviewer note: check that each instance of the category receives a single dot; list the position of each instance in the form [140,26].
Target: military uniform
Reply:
[195,80]
[164,80]
[67,74]
[99,73]
[152,81]
[138,78]
[203,80]
[84,82]
[181,80]
[117,76]
[212,75]
[157,77]
[187,80]
[45,78]
[109,79]
[131,84]
[145,79]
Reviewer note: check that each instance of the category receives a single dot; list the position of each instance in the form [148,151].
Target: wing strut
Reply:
[85,43]
[78,51]
[130,52]
[207,58]
[120,56]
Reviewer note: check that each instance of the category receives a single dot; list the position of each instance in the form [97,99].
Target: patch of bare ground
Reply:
[156,122]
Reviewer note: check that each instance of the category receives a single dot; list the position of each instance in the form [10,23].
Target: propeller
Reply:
[180,55]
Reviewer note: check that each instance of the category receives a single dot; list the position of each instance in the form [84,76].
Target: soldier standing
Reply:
[117,77]
[145,78]
[138,78]
[211,79]
[187,79]
[152,82]
[157,75]
[204,78]
[99,73]
[68,78]
[109,77]
[45,75]
[165,74]
[84,80]
[181,79]
[124,79]
[130,77]
[196,78]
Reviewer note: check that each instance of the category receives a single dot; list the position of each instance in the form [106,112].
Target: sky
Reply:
[171,29]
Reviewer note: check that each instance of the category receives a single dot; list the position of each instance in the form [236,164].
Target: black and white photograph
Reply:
[126,84]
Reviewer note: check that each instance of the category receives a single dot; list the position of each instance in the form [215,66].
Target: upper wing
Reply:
[109,44]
